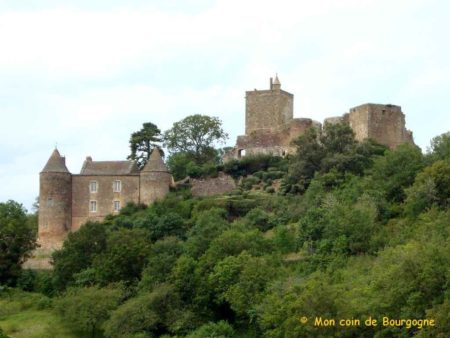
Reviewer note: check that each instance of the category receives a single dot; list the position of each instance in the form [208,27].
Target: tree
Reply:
[124,257]
[440,147]
[195,135]
[396,171]
[77,253]
[214,330]
[162,257]
[17,240]
[86,309]
[142,143]
[156,312]
[431,187]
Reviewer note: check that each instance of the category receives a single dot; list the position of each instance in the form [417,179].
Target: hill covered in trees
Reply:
[341,230]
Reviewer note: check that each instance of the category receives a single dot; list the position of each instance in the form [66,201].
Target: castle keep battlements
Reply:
[271,128]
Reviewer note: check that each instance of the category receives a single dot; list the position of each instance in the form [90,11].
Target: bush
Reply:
[249,182]
[252,164]
[214,330]
[156,312]
[258,218]
[86,309]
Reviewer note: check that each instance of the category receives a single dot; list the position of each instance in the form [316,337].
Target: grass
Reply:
[29,315]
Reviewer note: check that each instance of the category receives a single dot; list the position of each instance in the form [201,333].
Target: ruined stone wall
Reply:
[382,123]
[277,143]
[154,186]
[269,110]
[105,196]
[262,142]
[212,186]
[55,208]
[337,119]
[358,119]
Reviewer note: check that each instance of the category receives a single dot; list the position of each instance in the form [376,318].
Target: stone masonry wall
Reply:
[382,123]
[154,186]
[105,196]
[55,208]
[359,122]
[212,186]
[269,110]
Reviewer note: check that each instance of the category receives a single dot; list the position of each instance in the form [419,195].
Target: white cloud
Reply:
[88,78]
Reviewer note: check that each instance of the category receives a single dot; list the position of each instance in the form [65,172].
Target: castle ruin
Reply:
[270,126]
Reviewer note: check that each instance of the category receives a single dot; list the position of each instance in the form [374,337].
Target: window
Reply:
[116,205]
[93,206]
[93,186]
[117,186]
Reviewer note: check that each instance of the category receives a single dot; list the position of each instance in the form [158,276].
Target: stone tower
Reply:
[55,202]
[384,123]
[155,179]
[268,110]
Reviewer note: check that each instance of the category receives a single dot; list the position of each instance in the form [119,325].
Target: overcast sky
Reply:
[86,74]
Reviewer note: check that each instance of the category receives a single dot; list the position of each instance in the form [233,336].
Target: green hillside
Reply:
[319,244]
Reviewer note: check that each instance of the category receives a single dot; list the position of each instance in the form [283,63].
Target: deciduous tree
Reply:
[17,240]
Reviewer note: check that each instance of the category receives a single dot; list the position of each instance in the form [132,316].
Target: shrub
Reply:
[214,330]
[86,309]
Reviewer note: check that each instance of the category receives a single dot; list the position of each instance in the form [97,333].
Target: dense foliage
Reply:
[347,230]
[17,240]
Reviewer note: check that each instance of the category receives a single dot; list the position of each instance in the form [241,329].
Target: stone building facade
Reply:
[270,126]
[66,201]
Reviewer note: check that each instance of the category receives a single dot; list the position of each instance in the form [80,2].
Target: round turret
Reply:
[155,179]
[55,202]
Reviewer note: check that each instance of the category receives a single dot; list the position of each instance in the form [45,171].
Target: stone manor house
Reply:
[69,200]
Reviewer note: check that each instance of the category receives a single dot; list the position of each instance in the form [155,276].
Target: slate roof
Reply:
[56,163]
[109,168]
[155,162]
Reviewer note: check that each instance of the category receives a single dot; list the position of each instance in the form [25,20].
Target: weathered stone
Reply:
[212,186]
[65,199]
[384,123]
[270,127]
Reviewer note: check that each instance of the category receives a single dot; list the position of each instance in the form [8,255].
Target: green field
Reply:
[29,315]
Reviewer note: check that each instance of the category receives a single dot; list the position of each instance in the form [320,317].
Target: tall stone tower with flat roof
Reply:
[268,110]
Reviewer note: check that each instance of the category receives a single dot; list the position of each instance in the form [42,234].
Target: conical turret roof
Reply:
[56,163]
[276,81]
[155,162]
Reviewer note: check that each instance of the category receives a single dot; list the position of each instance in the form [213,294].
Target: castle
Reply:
[270,126]
[67,201]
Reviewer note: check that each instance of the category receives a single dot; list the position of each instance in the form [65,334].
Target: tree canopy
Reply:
[195,135]
[143,141]
[17,240]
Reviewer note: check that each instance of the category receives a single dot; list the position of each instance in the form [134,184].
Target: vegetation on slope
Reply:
[356,231]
